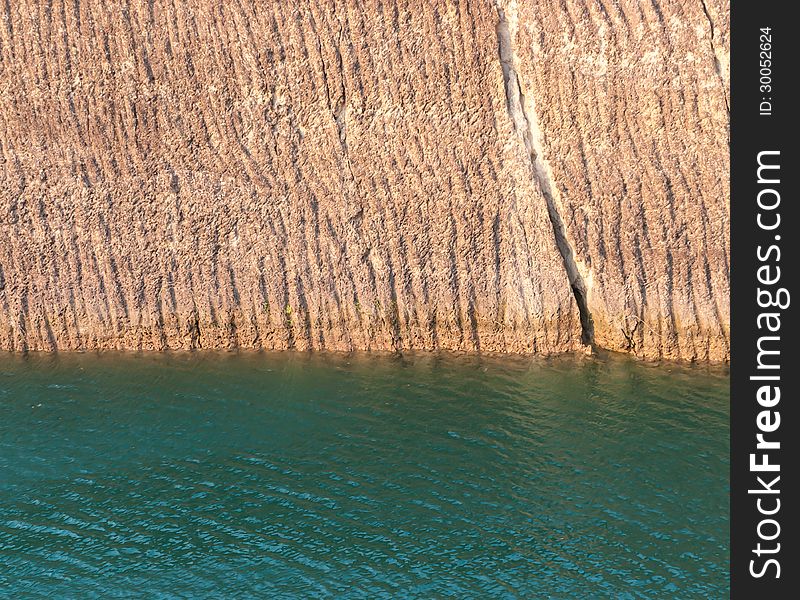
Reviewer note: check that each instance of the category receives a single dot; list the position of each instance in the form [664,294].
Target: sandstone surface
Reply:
[477,175]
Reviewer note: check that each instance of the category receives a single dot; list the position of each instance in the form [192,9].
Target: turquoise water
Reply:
[292,475]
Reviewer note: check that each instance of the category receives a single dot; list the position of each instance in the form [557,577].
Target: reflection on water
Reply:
[287,475]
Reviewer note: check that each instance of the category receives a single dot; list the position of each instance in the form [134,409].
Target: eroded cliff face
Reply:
[631,100]
[475,175]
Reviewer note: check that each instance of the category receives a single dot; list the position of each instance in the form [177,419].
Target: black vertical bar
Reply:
[764,558]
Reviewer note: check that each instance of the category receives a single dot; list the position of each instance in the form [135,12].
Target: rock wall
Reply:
[631,100]
[378,175]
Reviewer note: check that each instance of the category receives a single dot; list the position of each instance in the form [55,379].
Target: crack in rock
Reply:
[715,52]
[526,124]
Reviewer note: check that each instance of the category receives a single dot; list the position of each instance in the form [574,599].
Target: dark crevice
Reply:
[587,324]
[527,127]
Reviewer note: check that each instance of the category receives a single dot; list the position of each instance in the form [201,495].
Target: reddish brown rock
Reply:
[364,175]
[627,103]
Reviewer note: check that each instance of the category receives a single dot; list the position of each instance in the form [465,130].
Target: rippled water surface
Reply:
[225,475]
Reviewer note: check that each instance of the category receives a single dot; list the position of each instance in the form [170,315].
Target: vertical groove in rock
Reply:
[523,114]
[718,60]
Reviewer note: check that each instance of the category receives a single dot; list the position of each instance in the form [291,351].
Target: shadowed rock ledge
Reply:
[478,175]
